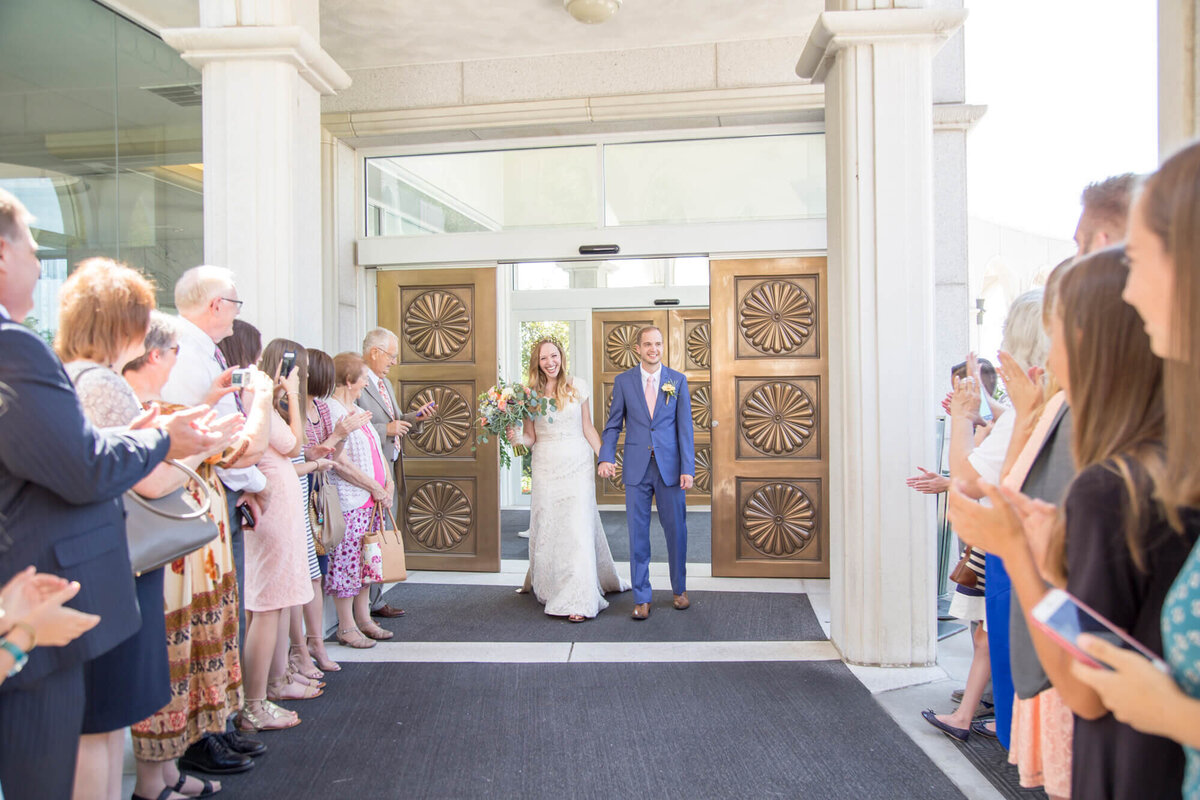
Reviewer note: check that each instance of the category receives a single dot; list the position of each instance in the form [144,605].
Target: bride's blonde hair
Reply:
[536,379]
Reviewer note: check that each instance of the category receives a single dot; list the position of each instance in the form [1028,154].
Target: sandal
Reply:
[376,632]
[263,715]
[300,660]
[321,661]
[360,642]
[277,686]
[296,676]
[577,618]
[206,786]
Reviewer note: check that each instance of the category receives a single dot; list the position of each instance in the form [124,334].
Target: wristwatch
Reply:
[19,655]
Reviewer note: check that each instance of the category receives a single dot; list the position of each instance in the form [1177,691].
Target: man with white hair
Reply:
[207,300]
[381,350]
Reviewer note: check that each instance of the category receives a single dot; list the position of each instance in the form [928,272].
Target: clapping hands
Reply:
[964,403]
[37,598]
[192,431]
[928,482]
[351,422]
[1024,386]
[1011,522]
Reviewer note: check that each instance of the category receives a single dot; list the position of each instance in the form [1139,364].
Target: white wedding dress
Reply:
[570,565]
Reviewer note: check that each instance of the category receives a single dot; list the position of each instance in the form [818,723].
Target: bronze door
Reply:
[770,440]
[689,350]
[685,333]
[446,322]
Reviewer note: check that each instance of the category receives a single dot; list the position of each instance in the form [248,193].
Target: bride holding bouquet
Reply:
[570,565]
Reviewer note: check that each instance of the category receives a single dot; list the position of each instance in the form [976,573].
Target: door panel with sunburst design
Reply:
[446,323]
[770,385]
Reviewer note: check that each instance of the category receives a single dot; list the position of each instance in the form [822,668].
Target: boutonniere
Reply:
[668,389]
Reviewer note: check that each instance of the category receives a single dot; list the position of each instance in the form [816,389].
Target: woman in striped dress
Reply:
[308,654]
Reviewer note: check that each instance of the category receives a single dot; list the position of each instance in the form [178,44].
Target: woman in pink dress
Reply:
[277,553]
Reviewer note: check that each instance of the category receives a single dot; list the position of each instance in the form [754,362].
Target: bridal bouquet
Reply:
[507,405]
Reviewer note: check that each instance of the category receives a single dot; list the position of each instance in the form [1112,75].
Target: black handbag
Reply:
[166,528]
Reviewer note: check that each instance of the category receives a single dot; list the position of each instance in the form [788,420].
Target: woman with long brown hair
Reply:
[1112,543]
[570,563]
[1164,286]
[276,552]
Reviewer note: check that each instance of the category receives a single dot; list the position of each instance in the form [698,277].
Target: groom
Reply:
[660,461]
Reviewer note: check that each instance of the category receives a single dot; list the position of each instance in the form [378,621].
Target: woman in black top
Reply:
[1113,544]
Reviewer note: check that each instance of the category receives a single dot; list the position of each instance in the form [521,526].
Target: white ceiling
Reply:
[378,33]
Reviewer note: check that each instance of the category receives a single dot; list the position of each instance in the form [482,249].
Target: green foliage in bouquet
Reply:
[508,405]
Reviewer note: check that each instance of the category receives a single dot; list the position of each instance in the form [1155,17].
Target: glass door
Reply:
[566,326]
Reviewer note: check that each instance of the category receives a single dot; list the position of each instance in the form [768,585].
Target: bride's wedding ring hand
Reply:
[606,469]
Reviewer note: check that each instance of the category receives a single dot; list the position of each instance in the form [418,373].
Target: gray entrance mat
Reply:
[554,731]
[699,536]
[991,759]
[452,613]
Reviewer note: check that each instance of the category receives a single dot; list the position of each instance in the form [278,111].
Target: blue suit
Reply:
[61,483]
[658,449]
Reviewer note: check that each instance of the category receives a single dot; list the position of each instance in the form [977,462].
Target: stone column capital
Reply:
[290,44]
[837,30]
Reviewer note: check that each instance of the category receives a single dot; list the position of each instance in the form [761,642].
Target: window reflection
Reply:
[101,141]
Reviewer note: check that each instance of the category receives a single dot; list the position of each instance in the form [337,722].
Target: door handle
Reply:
[714,422]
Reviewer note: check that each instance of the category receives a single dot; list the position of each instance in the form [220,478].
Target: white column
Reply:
[1178,74]
[263,76]
[875,65]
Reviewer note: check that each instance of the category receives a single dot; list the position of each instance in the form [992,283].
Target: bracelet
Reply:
[29,631]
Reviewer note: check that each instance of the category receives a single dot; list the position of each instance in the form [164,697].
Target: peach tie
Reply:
[650,396]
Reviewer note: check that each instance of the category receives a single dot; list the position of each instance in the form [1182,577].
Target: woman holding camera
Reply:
[276,551]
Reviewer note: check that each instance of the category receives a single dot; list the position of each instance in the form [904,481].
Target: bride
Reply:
[570,565]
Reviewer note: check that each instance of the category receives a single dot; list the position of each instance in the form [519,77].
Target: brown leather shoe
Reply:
[387,612]
[682,602]
[641,611]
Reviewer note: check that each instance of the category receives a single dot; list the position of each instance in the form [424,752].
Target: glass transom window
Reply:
[596,186]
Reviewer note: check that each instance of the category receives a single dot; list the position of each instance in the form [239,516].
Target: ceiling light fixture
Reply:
[592,11]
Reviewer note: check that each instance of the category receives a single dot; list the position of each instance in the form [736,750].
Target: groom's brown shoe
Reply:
[641,611]
[681,601]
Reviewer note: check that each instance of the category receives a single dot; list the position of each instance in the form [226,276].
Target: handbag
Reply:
[391,543]
[963,575]
[325,512]
[161,530]
[372,552]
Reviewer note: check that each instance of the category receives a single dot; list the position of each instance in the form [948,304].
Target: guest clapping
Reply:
[32,614]
[1114,543]
[1164,287]
[363,480]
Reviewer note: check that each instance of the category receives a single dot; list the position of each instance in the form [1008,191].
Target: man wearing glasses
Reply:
[208,303]
[381,350]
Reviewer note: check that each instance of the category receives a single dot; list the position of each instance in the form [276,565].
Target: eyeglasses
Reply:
[238,303]
[391,357]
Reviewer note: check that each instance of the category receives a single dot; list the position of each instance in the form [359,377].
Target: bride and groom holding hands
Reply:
[570,565]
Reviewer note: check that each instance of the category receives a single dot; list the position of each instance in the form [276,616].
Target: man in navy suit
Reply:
[653,404]
[61,483]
